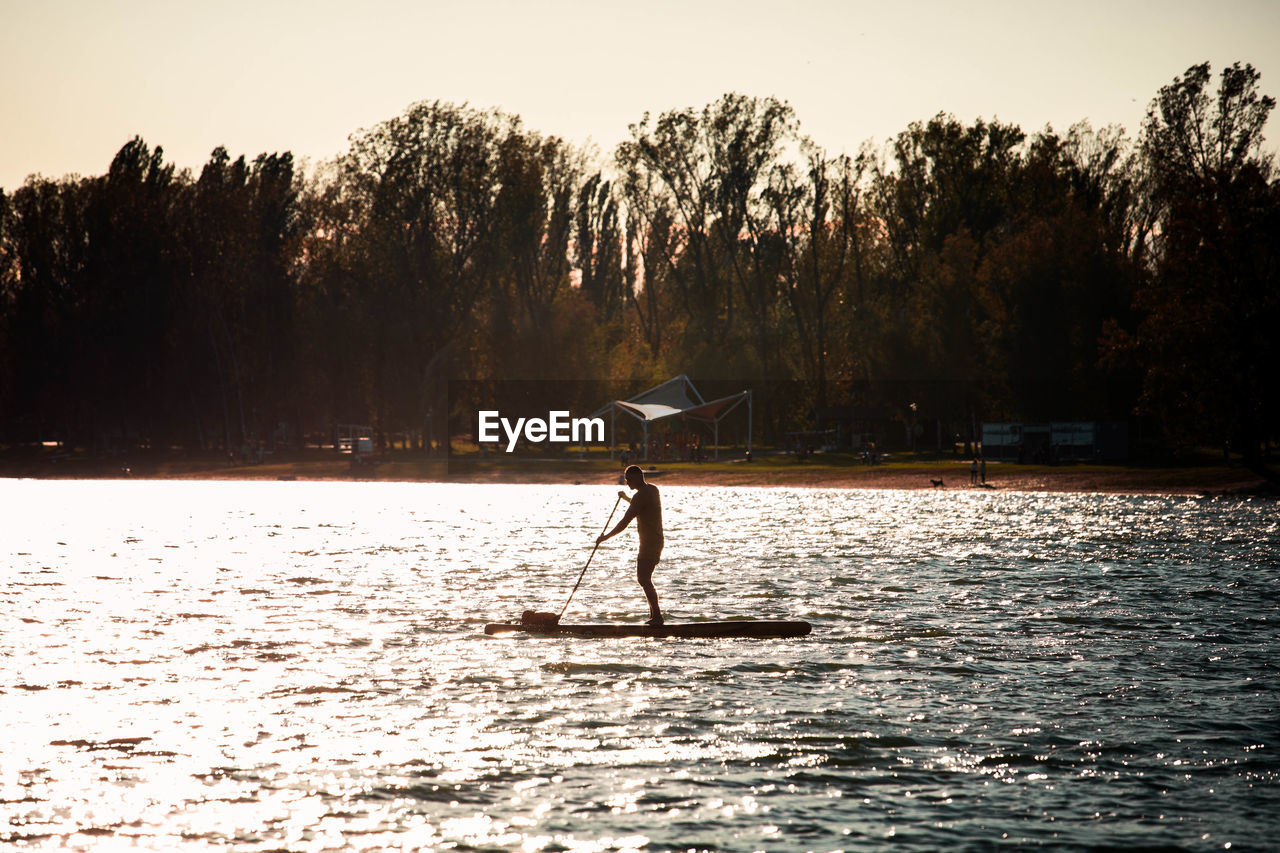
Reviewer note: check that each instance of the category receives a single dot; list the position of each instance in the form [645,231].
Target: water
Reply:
[296,666]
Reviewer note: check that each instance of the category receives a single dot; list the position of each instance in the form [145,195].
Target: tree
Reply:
[128,280]
[705,173]
[1054,274]
[237,314]
[820,218]
[539,180]
[941,206]
[649,245]
[1211,302]
[46,331]
[696,186]
[422,190]
[598,246]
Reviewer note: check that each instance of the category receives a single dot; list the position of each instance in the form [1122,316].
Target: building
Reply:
[1058,441]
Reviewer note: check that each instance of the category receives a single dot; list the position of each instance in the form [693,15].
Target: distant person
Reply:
[646,509]
[973,472]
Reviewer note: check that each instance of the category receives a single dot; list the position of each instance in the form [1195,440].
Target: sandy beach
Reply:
[823,471]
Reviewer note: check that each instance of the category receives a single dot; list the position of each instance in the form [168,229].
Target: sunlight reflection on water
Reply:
[292,665]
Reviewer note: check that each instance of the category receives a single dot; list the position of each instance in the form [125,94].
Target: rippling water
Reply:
[297,666]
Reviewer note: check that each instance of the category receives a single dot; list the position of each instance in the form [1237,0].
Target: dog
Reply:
[534,619]
[937,484]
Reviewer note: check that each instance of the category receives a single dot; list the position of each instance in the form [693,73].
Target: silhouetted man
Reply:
[646,509]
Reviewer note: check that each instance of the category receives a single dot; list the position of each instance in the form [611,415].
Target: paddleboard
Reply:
[759,629]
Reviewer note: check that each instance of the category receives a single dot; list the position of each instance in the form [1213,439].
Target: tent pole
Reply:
[646,439]
[613,423]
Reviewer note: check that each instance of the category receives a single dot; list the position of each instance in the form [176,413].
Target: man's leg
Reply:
[644,573]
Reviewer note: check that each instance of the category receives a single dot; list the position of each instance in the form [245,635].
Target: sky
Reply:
[82,77]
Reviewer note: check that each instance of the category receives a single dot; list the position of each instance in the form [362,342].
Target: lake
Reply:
[302,666]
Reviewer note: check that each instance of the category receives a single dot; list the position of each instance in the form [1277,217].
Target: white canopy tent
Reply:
[675,398]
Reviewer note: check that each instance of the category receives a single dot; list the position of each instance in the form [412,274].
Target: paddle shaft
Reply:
[583,573]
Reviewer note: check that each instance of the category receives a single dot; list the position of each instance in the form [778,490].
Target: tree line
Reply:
[961,272]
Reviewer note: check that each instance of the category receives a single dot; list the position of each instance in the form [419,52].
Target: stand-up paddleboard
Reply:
[758,629]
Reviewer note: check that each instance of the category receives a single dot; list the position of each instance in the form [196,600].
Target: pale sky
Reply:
[82,77]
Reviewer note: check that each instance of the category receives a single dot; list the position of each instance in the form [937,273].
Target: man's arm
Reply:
[621,525]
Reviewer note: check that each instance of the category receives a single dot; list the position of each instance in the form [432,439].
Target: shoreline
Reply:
[766,472]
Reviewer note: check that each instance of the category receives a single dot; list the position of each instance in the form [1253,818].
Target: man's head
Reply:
[634,476]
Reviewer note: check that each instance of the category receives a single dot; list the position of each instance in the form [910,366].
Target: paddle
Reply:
[549,620]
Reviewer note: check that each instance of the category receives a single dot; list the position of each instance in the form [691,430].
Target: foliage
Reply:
[1211,303]
[963,272]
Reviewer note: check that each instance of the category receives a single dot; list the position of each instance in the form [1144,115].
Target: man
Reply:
[646,509]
